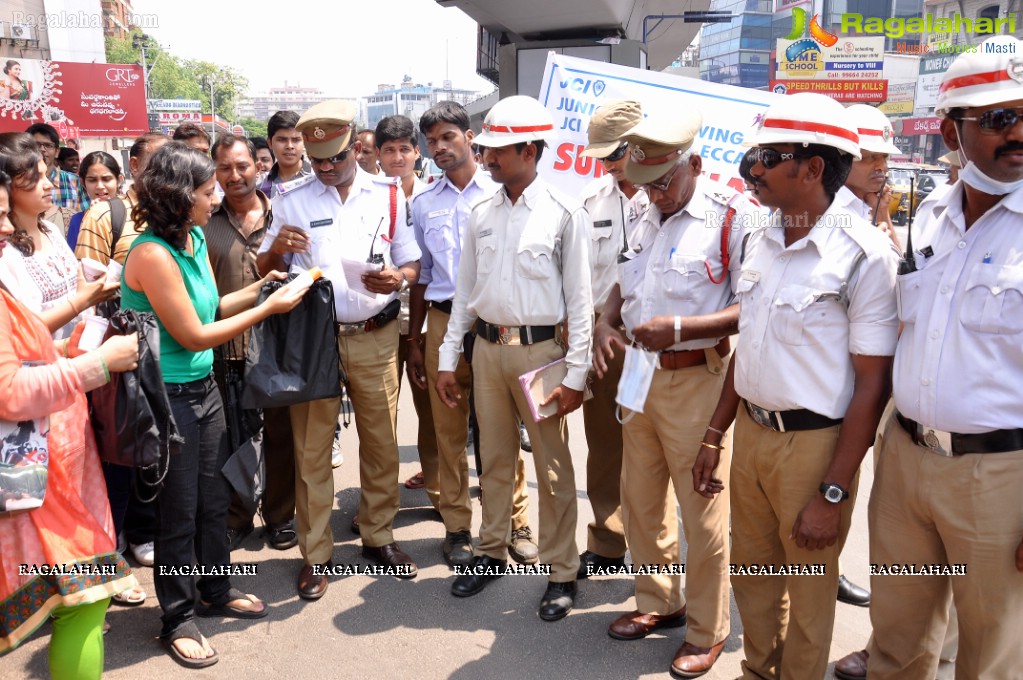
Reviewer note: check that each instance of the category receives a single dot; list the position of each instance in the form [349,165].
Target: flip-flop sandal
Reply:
[417,481]
[207,610]
[191,632]
[132,597]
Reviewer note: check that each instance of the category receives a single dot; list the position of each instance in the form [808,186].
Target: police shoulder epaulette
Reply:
[724,197]
[285,187]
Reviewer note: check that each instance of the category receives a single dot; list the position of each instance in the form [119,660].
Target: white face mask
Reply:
[979,180]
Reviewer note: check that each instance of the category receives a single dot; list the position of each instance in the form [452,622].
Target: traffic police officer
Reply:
[524,273]
[344,213]
[866,192]
[947,488]
[817,329]
[675,294]
[613,203]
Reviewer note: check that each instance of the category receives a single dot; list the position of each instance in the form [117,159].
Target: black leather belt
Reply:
[789,421]
[443,305]
[386,316]
[516,335]
[953,444]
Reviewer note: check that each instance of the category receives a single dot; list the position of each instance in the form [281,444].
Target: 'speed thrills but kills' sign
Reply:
[573,88]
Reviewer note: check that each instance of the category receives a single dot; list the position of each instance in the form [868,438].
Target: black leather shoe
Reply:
[524,442]
[850,593]
[281,536]
[236,536]
[457,548]
[557,601]
[482,571]
[590,562]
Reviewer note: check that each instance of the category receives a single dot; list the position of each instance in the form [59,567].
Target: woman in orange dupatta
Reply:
[72,532]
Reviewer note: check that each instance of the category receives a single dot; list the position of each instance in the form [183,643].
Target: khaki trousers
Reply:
[426,438]
[928,509]
[788,621]
[500,404]
[451,426]
[606,533]
[661,445]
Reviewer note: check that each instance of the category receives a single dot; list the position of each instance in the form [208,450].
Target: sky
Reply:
[345,48]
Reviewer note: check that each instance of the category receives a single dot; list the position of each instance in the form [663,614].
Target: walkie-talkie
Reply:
[907,265]
[375,257]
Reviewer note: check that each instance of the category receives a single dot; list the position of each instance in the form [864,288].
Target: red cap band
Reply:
[812,127]
[325,137]
[517,128]
[975,79]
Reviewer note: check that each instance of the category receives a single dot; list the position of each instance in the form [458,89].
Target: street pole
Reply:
[213,115]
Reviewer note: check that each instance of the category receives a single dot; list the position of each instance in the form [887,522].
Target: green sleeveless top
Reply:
[177,363]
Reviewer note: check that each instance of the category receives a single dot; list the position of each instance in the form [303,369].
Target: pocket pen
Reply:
[987,259]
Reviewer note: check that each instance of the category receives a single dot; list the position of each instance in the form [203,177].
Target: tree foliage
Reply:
[253,127]
[172,77]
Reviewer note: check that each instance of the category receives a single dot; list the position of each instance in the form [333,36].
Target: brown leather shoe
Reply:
[852,666]
[692,661]
[393,558]
[636,625]
[311,585]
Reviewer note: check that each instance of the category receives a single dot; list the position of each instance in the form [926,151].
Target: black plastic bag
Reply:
[131,414]
[245,470]
[293,358]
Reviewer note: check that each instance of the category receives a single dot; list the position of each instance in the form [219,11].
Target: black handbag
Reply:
[131,414]
[293,358]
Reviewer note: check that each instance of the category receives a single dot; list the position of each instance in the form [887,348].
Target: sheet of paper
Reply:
[354,270]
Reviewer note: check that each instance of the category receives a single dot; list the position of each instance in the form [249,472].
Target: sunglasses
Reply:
[769,158]
[996,120]
[333,160]
[618,154]
[663,183]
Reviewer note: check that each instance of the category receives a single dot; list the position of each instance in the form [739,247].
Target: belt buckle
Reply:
[938,441]
[504,335]
[761,416]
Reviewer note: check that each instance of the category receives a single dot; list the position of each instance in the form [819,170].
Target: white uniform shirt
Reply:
[795,333]
[959,365]
[345,230]
[666,270]
[526,264]
[439,217]
[612,212]
[848,200]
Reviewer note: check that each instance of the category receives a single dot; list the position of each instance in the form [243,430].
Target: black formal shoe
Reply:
[590,562]
[850,593]
[236,536]
[457,548]
[392,557]
[481,571]
[524,442]
[557,601]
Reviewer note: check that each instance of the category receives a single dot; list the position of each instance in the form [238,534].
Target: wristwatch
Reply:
[404,282]
[833,493]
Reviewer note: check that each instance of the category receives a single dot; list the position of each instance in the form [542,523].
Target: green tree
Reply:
[253,127]
[228,85]
[168,76]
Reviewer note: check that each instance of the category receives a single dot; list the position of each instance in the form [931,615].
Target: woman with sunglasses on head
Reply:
[72,528]
[168,272]
[101,176]
[40,269]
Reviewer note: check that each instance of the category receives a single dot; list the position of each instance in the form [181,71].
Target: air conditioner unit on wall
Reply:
[22,32]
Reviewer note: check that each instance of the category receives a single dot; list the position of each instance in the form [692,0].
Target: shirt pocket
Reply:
[993,299]
[605,249]
[535,257]
[437,234]
[630,277]
[682,276]
[908,294]
[804,315]
[745,292]
[486,256]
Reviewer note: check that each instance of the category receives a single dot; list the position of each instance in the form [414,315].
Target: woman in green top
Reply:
[168,272]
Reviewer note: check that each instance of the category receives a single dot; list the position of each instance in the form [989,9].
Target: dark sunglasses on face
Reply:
[333,160]
[618,154]
[996,120]
[769,158]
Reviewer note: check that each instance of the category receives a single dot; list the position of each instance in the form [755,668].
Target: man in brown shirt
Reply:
[233,236]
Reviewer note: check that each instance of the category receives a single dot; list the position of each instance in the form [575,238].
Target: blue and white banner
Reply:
[573,88]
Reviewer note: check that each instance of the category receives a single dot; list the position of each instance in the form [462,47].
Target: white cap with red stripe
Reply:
[516,119]
[808,118]
[875,129]
[991,75]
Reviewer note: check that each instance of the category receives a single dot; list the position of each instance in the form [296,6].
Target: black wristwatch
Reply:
[833,493]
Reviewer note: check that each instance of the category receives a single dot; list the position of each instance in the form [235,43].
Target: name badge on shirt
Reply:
[602,223]
[748,275]
[438,213]
[486,232]
[321,223]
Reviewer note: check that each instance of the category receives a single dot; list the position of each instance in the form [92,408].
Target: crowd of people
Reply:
[735,356]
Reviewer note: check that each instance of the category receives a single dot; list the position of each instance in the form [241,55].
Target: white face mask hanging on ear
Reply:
[976,178]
